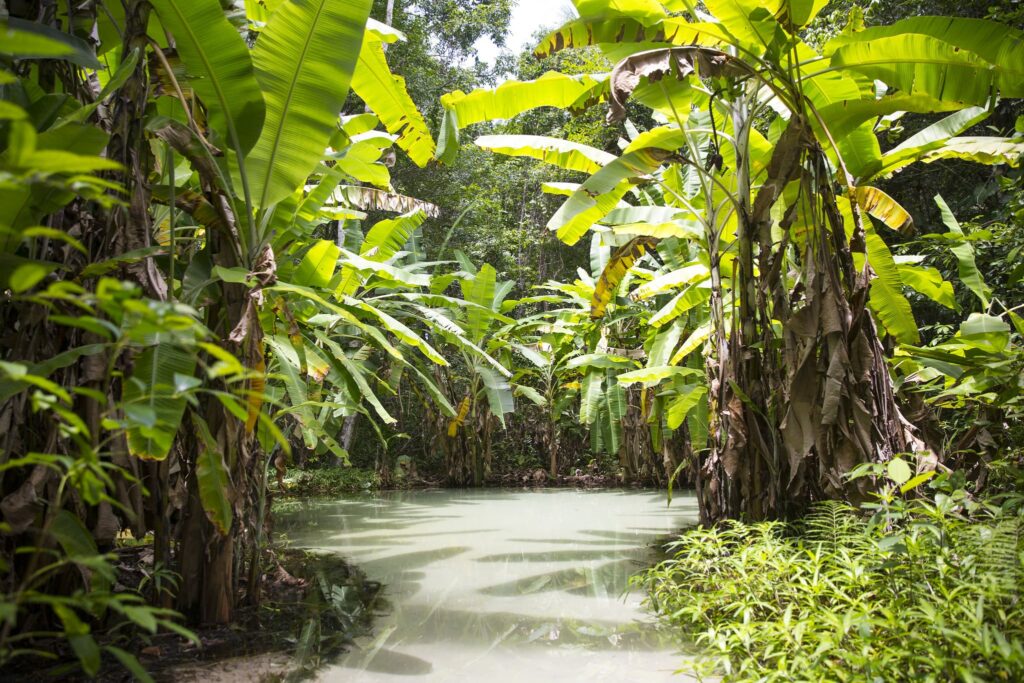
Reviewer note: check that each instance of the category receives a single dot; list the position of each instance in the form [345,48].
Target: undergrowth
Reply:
[330,481]
[923,590]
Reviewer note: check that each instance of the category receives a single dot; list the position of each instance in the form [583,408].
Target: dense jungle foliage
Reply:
[767,250]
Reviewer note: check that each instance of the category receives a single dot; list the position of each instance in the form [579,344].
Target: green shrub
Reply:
[921,591]
[330,481]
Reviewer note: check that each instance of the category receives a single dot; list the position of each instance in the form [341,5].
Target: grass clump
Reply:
[924,590]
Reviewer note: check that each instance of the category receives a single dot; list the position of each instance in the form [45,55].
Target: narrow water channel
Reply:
[502,586]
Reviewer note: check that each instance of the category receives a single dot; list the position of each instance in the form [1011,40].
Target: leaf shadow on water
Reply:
[380,513]
[391,539]
[631,542]
[401,562]
[387,661]
[626,535]
[605,580]
[576,555]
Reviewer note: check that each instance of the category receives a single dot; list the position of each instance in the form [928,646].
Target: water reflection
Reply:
[494,585]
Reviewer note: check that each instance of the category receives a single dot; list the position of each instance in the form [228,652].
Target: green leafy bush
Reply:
[924,590]
[330,481]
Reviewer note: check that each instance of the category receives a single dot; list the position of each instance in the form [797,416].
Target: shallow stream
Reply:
[501,586]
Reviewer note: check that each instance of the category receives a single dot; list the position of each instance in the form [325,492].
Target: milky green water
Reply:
[502,586]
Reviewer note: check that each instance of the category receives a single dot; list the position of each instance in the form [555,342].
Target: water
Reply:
[500,586]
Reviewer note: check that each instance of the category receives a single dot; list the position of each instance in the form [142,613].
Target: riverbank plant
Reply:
[927,589]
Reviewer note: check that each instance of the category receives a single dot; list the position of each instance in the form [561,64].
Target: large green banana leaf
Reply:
[220,69]
[388,236]
[304,61]
[887,298]
[690,273]
[926,281]
[601,193]
[153,404]
[998,45]
[498,391]
[288,366]
[980,150]
[512,98]
[795,14]
[967,267]
[846,115]
[355,373]
[215,490]
[613,410]
[930,138]
[397,328]
[590,395]
[922,65]
[751,23]
[317,266]
[385,94]
[691,297]
[479,290]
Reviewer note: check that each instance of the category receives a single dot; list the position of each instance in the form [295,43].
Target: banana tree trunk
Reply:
[793,415]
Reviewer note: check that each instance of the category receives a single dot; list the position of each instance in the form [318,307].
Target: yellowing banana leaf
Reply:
[456,422]
[618,265]
[652,375]
[884,208]
[572,156]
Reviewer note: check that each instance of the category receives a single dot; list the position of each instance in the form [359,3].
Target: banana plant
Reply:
[763,155]
[479,387]
[245,152]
